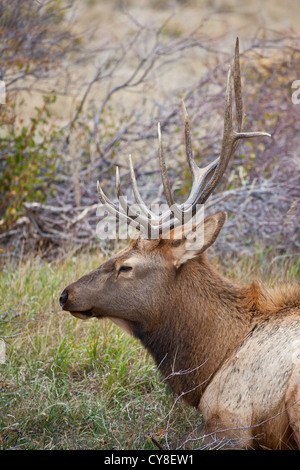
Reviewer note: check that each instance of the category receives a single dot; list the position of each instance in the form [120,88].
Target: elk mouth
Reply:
[84,315]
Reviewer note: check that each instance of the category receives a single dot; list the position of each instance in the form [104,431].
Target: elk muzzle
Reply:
[68,302]
[63,298]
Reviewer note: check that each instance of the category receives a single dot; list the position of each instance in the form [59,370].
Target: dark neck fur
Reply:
[199,327]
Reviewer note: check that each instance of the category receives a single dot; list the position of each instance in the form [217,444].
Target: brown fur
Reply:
[232,351]
[266,302]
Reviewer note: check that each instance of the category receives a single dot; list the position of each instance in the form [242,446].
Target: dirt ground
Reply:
[234,16]
[101,21]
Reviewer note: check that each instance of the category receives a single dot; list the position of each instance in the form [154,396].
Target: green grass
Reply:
[68,384]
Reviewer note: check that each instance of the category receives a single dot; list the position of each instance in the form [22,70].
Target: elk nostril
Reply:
[63,298]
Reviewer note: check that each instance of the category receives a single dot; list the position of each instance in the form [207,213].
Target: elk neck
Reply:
[202,320]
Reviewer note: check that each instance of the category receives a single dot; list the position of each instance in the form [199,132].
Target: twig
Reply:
[157,444]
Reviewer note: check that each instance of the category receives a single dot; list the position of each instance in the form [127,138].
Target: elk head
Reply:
[135,286]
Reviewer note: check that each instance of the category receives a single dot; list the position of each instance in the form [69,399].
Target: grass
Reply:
[68,384]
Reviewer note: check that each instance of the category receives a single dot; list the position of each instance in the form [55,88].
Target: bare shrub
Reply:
[260,190]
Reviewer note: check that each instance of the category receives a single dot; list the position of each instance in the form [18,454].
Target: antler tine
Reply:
[128,209]
[175,211]
[199,176]
[159,224]
[226,144]
[118,183]
[238,88]
[109,205]
[136,192]
[104,199]
[138,198]
[163,169]
[239,101]
[230,137]
[136,220]
[120,195]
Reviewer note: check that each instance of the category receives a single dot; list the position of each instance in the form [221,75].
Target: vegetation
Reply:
[68,384]
[34,42]
[50,164]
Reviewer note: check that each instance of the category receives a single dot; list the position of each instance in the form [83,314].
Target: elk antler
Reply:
[201,188]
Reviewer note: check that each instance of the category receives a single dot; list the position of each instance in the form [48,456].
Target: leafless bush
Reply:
[261,187]
[34,41]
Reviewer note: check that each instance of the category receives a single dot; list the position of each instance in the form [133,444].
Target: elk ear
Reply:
[201,238]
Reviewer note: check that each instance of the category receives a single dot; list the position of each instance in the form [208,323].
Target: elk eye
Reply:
[125,269]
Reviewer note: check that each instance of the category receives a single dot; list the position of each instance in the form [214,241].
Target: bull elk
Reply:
[231,351]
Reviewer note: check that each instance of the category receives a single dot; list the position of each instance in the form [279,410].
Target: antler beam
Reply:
[202,186]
